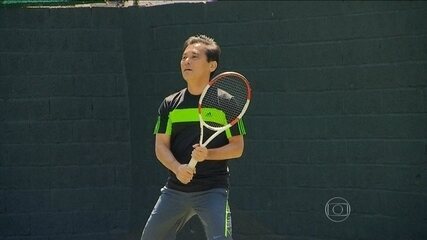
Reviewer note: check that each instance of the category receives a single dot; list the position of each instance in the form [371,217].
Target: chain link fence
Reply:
[92,3]
[72,3]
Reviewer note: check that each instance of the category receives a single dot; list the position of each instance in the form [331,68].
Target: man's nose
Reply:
[186,61]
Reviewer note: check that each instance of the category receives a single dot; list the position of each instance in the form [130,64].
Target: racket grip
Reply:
[192,164]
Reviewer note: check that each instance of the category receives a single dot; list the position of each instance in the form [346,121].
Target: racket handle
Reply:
[192,164]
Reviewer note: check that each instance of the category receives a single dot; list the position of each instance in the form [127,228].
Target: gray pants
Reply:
[174,208]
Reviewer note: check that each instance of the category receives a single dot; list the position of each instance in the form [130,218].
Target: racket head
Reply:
[224,100]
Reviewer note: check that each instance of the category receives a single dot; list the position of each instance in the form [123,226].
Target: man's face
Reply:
[194,63]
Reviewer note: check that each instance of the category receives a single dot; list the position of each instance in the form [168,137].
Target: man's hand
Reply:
[199,153]
[184,173]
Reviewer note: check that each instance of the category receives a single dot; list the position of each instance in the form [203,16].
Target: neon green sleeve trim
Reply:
[156,128]
[241,126]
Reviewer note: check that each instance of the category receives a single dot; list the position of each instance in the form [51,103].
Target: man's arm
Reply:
[234,149]
[165,156]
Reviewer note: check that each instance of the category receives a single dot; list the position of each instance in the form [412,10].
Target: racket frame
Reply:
[219,130]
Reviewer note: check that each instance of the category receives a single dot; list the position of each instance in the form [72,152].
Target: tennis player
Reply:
[203,191]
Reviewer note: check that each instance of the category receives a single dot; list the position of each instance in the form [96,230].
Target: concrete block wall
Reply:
[64,131]
[339,110]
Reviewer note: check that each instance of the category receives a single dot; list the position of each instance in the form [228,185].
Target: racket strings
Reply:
[228,95]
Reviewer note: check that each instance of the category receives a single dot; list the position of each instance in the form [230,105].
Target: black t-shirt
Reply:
[178,118]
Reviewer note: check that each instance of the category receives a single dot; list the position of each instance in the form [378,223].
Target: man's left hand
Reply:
[199,153]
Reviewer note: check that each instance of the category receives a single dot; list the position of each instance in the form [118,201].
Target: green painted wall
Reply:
[339,110]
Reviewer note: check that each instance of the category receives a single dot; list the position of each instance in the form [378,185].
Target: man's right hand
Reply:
[184,173]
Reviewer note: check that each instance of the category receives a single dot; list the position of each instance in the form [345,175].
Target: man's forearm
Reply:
[165,156]
[225,152]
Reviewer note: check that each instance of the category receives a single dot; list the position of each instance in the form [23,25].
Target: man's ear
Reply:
[213,65]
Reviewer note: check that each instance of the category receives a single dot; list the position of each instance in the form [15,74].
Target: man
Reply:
[202,191]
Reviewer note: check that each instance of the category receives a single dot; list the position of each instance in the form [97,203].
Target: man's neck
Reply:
[196,88]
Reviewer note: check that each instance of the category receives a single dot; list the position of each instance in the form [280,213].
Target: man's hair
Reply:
[213,51]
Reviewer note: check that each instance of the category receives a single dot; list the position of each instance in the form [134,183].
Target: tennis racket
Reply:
[222,104]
